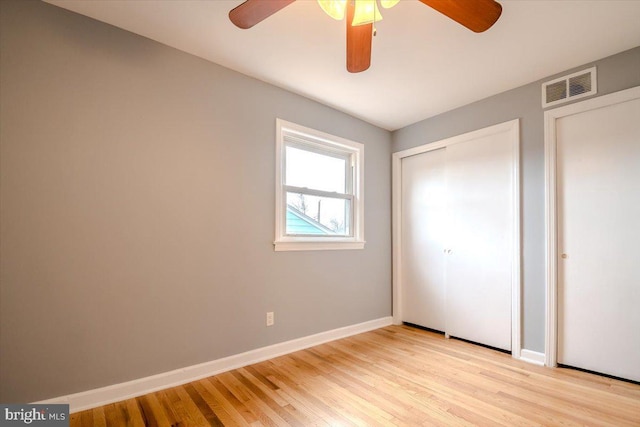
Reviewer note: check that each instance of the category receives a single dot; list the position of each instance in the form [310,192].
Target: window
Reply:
[319,190]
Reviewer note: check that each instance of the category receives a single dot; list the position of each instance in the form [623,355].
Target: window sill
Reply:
[317,246]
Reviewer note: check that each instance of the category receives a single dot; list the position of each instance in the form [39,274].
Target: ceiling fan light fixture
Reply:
[388,4]
[366,12]
[334,8]
[476,15]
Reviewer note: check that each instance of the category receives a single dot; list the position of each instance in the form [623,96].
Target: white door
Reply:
[598,205]
[423,232]
[459,235]
[480,188]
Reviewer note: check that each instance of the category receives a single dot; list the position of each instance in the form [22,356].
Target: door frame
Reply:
[512,128]
[551,212]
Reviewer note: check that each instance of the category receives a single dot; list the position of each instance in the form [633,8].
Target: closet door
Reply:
[423,229]
[598,199]
[458,219]
[480,189]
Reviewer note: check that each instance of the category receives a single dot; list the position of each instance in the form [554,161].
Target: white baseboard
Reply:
[532,357]
[127,390]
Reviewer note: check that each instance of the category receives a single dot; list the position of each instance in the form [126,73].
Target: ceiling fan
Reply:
[476,15]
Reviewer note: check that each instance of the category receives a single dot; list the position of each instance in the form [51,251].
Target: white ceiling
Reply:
[423,64]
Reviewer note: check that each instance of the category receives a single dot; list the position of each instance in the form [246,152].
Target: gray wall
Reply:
[615,73]
[137,192]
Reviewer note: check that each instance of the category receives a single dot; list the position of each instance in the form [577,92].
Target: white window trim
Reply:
[306,243]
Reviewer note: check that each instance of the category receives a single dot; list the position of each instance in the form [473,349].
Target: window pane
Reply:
[315,215]
[307,169]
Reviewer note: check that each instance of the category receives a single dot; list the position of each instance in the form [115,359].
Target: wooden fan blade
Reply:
[476,15]
[252,12]
[358,43]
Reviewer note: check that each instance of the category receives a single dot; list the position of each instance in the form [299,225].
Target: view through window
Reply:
[319,190]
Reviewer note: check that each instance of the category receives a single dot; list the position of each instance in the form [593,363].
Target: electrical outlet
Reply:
[270,318]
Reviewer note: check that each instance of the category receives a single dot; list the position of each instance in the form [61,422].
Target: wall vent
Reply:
[568,88]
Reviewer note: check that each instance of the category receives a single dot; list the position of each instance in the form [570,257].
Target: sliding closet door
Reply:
[480,188]
[598,198]
[423,229]
[457,222]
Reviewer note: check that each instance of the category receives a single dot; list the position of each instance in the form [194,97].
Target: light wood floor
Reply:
[392,376]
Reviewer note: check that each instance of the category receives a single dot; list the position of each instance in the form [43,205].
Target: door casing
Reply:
[512,128]
[551,219]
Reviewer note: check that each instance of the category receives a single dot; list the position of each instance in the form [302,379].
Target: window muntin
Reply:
[319,190]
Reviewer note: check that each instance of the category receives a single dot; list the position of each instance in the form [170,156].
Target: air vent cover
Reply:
[568,88]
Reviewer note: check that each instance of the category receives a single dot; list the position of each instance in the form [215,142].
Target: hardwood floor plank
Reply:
[190,412]
[214,404]
[235,417]
[454,378]
[170,402]
[202,406]
[75,420]
[259,408]
[99,419]
[87,418]
[152,411]
[132,411]
[276,401]
[113,417]
[393,376]
[572,400]
[388,388]
[233,401]
[289,385]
